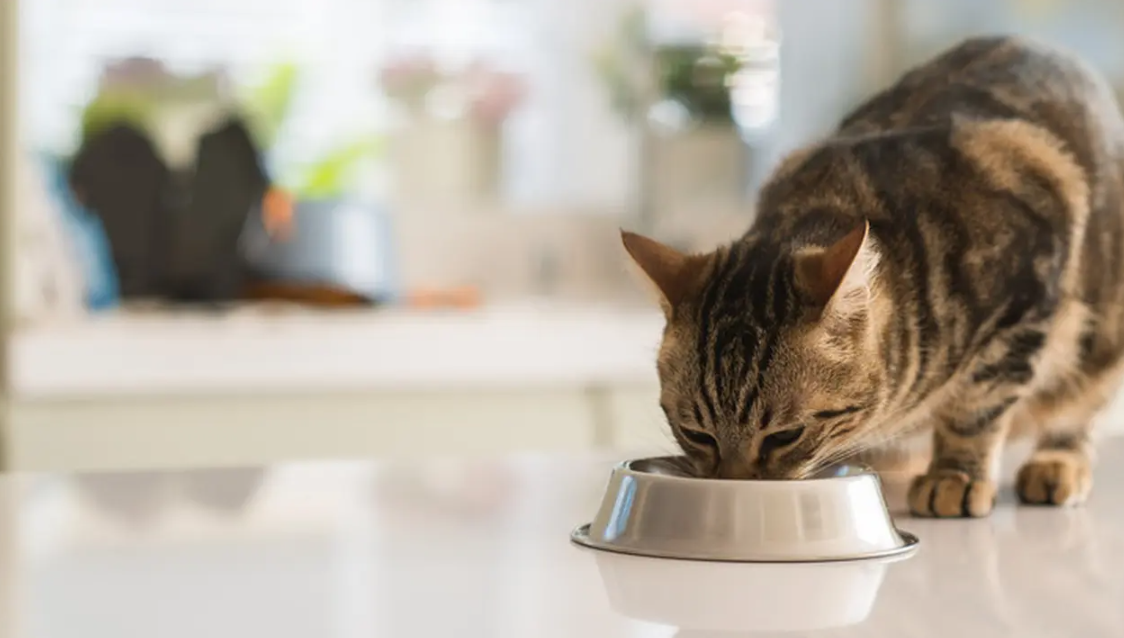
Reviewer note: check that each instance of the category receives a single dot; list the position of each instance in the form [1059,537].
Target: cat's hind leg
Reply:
[1060,470]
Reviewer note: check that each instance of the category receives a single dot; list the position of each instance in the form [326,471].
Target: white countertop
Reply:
[481,550]
[260,350]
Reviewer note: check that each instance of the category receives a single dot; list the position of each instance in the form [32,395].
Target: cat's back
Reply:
[997,154]
[1002,78]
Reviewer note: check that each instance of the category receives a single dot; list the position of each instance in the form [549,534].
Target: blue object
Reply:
[88,238]
[341,242]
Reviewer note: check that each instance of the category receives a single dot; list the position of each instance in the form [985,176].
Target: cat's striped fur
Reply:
[951,258]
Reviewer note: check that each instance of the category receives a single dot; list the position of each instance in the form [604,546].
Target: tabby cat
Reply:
[950,259]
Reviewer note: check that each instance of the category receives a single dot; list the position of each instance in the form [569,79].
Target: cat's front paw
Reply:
[950,494]
[1055,478]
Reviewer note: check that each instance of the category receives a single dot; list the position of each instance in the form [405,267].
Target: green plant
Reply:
[266,107]
[109,109]
[331,174]
[698,77]
[267,104]
[137,91]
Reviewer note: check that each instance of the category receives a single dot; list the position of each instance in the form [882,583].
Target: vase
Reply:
[454,160]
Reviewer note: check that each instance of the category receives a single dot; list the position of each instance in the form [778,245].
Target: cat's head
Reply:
[770,365]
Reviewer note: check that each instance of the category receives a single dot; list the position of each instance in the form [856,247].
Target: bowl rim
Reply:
[581,537]
[864,474]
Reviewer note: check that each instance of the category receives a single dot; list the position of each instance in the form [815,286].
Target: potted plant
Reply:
[317,241]
[676,94]
[311,238]
[699,157]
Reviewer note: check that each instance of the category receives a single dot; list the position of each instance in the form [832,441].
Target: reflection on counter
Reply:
[136,499]
[736,598]
[479,549]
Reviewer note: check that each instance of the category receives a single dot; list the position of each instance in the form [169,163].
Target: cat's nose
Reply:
[737,470]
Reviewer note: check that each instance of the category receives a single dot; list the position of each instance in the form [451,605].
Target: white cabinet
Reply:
[157,432]
[246,389]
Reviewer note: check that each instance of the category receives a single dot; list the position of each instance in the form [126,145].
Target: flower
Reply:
[492,95]
[409,78]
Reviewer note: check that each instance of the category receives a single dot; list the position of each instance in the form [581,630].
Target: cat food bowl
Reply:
[653,508]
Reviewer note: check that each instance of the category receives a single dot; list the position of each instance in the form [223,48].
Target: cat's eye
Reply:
[778,440]
[698,438]
[831,414]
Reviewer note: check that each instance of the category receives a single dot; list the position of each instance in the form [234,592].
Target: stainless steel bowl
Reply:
[652,508]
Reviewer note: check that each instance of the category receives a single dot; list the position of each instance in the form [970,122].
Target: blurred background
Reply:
[249,231]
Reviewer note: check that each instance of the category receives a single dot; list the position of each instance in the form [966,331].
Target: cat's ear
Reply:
[838,278]
[674,275]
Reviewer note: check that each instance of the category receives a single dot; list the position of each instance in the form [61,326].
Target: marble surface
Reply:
[475,549]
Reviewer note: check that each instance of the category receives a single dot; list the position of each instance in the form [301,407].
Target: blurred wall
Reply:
[824,62]
[1090,28]
[835,54]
